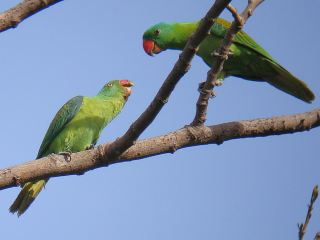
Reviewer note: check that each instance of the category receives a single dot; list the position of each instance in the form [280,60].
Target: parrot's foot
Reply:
[213,94]
[90,147]
[221,55]
[204,91]
[67,155]
[218,82]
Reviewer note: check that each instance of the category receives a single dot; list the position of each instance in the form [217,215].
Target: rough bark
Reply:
[57,165]
[23,10]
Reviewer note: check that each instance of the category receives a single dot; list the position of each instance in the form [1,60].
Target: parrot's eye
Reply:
[157,32]
[109,84]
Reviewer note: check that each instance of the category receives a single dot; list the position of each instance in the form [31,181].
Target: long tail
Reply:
[26,196]
[288,83]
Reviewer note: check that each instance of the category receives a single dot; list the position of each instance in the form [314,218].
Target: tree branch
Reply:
[221,55]
[23,10]
[56,165]
[180,68]
[303,226]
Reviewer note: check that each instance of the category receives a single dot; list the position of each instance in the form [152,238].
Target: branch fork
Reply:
[221,55]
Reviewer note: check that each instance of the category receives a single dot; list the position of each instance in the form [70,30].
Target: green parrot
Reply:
[247,59]
[76,127]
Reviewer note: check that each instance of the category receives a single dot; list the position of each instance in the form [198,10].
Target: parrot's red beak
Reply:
[150,47]
[127,85]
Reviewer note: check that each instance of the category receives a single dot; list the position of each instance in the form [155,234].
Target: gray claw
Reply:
[67,155]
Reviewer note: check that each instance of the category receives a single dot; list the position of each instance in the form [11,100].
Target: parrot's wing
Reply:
[221,27]
[62,118]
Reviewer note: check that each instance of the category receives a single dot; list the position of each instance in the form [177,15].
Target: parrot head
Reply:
[117,88]
[156,38]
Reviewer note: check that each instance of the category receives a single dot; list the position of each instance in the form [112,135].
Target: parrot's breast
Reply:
[85,128]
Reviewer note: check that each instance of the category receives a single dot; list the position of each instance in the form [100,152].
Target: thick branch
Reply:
[179,69]
[25,9]
[56,165]
[221,55]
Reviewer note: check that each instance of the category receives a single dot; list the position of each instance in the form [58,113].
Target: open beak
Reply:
[150,47]
[127,85]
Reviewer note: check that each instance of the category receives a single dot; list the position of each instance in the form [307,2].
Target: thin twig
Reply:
[56,165]
[178,71]
[12,17]
[235,14]
[221,55]
[303,226]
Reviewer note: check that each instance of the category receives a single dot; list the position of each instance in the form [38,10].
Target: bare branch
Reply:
[23,10]
[303,226]
[234,13]
[56,165]
[179,69]
[221,55]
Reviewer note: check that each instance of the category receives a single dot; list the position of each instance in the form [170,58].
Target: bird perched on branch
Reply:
[247,59]
[76,127]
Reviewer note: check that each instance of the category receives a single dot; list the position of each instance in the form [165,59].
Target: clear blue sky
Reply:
[248,189]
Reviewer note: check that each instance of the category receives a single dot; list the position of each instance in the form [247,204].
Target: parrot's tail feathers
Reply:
[288,83]
[26,196]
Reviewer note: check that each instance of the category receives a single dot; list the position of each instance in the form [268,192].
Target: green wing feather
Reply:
[221,27]
[277,75]
[62,118]
[31,189]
